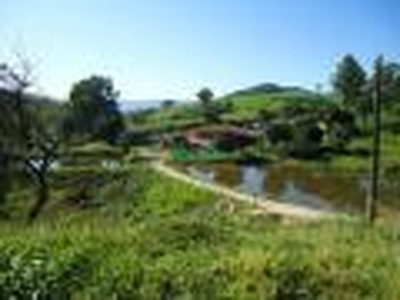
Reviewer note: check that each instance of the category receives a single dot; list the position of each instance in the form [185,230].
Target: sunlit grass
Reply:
[158,238]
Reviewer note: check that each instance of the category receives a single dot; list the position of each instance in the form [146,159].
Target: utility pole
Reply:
[371,208]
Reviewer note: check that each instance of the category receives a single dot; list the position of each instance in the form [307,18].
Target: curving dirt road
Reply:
[268,205]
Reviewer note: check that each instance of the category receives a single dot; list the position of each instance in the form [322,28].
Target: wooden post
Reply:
[377,99]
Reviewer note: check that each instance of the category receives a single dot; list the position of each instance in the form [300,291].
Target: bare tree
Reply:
[34,146]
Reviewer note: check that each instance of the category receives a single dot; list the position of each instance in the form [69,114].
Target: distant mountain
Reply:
[274,89]
[135,105]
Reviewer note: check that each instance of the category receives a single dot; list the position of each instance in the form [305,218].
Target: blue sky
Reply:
[170,48]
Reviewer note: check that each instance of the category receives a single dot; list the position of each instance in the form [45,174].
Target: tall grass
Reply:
[159,239]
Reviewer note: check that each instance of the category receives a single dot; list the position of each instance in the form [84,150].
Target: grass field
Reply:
[248,105]
[243,106]
[155,238]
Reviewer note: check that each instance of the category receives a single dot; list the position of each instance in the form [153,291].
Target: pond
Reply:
[298,184]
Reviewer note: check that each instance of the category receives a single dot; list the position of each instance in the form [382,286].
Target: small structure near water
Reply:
[221,137]
[209,143]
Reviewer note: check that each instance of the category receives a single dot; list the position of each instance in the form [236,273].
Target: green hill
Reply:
[274,89]
[248,102]
[243,104]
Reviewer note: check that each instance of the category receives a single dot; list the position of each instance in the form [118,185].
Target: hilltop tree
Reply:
[210,110]
[205,95]
[94,111]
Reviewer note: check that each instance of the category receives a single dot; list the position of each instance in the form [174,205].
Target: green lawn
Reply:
[156,238]
[181,154]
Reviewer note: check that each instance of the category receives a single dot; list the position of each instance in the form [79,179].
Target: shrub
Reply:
[41,274]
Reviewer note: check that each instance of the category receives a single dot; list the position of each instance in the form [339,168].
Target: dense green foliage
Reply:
[356,90]
[391,84]
[349,81]
[155,238]
[93,110]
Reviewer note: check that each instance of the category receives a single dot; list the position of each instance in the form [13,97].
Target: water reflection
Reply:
[202,174]
[295,183]
[293,193]
[252,180]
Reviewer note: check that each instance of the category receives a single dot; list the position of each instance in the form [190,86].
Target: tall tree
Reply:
[211,111]
[350,83]
[94,110]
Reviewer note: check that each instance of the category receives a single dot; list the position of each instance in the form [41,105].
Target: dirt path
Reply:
[270,206]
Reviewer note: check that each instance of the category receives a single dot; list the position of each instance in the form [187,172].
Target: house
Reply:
[222,137]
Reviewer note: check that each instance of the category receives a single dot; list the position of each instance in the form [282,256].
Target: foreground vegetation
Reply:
[80,220]
[154,238]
